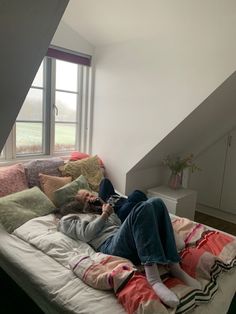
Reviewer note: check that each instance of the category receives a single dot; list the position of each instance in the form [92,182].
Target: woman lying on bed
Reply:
[145,237]
[122,205]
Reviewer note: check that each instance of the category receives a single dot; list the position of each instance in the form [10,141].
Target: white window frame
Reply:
[84,116]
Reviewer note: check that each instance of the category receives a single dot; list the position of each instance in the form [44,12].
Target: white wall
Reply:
[66,37]
[211,120]
[145,87]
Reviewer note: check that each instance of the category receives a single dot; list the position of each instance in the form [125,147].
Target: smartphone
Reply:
[96,202]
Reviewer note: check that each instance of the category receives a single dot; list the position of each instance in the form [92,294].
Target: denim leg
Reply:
[146,236]
[137,196]
[124,208]
[106,189]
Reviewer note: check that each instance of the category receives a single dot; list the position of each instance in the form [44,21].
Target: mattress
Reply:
[37,257]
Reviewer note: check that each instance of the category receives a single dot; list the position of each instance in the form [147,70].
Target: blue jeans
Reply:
[145,237]
[124,206]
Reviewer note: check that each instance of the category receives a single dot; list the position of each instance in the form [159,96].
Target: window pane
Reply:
[29,138]
[32,109]
[64,136]
[38,80]
[66,107]
[66,75]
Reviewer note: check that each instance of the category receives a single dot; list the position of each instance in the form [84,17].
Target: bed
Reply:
[66,276]
[37,257]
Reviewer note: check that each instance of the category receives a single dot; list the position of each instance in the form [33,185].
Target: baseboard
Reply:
[216,213]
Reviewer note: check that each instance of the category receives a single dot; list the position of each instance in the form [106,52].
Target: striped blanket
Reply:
[206,254]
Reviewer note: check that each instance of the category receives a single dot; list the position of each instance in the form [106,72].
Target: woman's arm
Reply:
[81,229]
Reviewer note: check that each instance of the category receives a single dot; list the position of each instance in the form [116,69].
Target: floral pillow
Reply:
[12,179]
[49,184]
[88,167]
[47,166]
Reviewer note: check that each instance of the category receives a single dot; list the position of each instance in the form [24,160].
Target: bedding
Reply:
[79,155]
[88,167]
[49,184]
[61,274]
[17,208]
[12,179]
[67,192]
[48,166]
[209,255]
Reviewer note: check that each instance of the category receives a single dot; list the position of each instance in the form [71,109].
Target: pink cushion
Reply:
[78,155]
[12,179]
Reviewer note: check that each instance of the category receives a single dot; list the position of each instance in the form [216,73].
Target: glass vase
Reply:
[175,181]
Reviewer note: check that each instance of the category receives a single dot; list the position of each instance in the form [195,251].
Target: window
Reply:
[67,105]
[54,116]
[30,121]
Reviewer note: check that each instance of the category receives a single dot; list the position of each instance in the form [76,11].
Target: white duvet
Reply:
[42,233]
[65,291]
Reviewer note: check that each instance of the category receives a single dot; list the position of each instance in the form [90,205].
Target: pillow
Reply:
[49,184]
[47,166]
[12,179]
[88,167]
[17,208]
[78,155]
[67,192]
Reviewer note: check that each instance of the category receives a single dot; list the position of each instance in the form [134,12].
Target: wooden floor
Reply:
[215,223]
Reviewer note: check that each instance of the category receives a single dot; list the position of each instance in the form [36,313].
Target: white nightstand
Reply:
[181,202]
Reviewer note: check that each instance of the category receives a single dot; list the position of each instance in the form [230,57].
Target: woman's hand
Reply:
[107,210]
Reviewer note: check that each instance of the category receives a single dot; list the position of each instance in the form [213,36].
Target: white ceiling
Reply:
[103,22]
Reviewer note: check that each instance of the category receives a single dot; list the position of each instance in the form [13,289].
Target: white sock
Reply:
[178,272]
[166,295]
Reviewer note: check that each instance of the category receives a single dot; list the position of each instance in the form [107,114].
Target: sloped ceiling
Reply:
[26,30]
[210,121]
[106,22]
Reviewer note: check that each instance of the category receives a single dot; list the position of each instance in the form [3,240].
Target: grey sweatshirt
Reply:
[89,228]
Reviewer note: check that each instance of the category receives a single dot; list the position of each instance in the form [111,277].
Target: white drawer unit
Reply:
[181,202]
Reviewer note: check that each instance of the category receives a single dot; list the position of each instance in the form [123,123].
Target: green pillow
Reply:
[67,192]
[17,208]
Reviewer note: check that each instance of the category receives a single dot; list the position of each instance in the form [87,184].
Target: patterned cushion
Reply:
[46,166]
[49,184]
[88,167]
[17,208]
[78,156]
[12,179]
[67,192]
